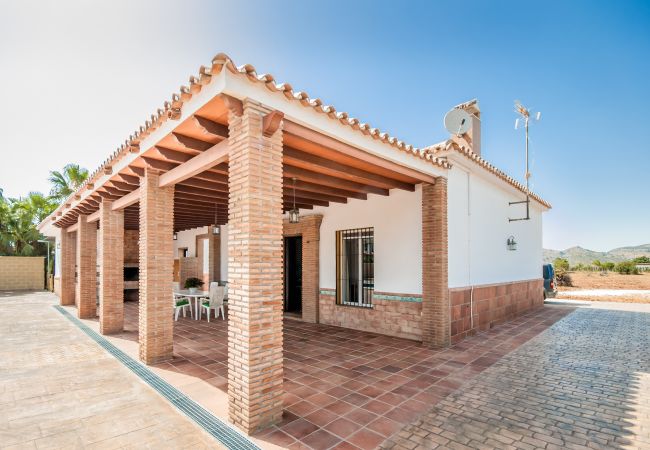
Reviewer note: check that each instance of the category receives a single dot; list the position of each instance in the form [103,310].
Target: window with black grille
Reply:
[355,267]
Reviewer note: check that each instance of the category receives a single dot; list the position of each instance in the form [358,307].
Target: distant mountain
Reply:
[577,255]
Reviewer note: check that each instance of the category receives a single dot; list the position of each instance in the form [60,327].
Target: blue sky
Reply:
[77,79]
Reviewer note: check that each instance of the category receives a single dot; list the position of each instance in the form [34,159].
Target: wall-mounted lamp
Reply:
[511,243]
[175,236]
[294,214]
[215,228]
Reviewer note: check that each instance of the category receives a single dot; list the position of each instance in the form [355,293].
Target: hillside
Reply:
[577,255]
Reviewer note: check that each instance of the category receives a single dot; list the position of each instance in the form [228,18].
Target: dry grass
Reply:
[600,280]
[609,280]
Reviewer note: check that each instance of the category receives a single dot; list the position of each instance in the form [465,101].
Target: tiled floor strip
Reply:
[221,431]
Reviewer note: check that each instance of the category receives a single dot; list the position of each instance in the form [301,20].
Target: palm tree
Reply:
[20,232]
[67,181]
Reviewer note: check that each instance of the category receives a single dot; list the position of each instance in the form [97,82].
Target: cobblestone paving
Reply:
[58,389]
[584,383]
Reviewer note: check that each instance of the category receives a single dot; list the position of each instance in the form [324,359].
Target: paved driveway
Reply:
[584,383]
[58,389]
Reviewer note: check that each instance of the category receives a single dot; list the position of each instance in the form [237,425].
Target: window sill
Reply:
[355,305]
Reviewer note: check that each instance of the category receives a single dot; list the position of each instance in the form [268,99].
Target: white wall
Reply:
[478,213]
[397,223]
[187,239]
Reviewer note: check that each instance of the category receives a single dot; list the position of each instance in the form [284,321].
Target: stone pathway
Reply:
[58,389]
[584,383]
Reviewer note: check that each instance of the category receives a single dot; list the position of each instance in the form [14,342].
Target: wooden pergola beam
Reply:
[349,150]
[328,180]
[216,154]
[128,200]
[326,166]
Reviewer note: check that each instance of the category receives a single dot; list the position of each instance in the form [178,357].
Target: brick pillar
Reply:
[111,269]
[309,229]
[255,272]
[214,245]
[156,324]
[86,295]
[68,262]
[436,321]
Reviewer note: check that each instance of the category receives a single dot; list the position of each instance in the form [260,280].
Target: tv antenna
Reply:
[526,116]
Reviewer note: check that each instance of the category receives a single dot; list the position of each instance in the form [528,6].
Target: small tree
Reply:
[608,266]
[627,268]
[641,260]
[561,264]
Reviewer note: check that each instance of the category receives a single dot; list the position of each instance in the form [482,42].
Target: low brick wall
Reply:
[391,314]
[22,273]
[492,304]
[400,315]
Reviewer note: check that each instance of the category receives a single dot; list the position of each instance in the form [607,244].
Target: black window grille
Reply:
[355,267]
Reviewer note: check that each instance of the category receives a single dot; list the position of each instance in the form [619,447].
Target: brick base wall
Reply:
[492,304]
[400,315]
[309,229]
[392,314]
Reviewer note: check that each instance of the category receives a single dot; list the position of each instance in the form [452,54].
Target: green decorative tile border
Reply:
[397,298]
[389,297]
[221,431]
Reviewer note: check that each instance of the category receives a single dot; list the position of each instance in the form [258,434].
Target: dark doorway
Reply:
[293,274]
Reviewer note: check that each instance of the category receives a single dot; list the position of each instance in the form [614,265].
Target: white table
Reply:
[196,296]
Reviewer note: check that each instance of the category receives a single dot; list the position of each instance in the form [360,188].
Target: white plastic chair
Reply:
[180,303]
[215,302]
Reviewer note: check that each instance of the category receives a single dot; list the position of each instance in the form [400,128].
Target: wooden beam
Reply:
[288,190]
[139,171]
[73,227]
[319,188]
[271,123]
[192,182]
[158,164]
[191,143]
[209,158]
[129,199]
[211,128]
[94,217]
[349,150]
[200,192]
[133,180]
[174,155]
[123,186]
[319,164]
[327,180]
[107,196]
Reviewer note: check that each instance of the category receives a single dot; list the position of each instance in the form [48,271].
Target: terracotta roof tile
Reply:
[450,144]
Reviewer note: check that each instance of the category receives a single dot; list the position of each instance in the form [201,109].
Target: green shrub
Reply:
[627,268]
[561,264]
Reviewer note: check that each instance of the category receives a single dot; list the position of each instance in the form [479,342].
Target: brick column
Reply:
[68,261]
[309,229]
[255,366]
[86,295]
[156,324]
[214,245]
[436,321]
[111,269]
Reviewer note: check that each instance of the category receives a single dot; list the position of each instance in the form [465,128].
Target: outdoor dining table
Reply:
[196,296]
